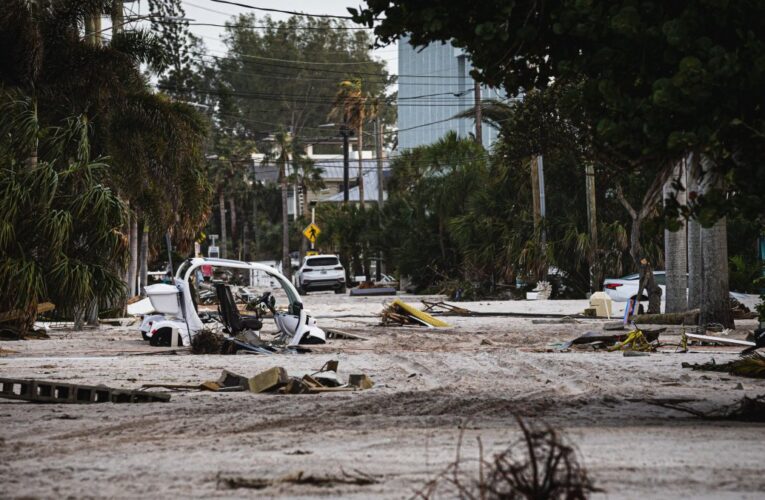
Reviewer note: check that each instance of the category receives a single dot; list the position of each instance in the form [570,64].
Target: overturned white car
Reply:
[177,319]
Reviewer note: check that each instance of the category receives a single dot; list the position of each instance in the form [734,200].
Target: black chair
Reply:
[229,313]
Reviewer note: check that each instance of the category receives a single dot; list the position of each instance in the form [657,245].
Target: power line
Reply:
[258,27]
[265,9]
[273,97]
[273,64]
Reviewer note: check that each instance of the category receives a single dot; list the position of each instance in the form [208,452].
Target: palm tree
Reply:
[45,58]
[350,105]
[59,223]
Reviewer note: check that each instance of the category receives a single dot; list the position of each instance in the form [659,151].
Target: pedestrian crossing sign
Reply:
[312,232]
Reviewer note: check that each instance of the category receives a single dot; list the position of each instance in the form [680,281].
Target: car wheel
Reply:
[145,336]
[340,290]
[162,338]
[301,290]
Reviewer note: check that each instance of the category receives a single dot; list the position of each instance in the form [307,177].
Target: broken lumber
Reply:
[680,318]
[19,313]
[269,380]
[401,312]
[721,340]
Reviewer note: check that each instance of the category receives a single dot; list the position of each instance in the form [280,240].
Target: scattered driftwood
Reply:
[446,309]
[718,340]
[681,318]
[749,365]
[358,478]
[746,410]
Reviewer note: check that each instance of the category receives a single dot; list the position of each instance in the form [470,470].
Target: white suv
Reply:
[321,272]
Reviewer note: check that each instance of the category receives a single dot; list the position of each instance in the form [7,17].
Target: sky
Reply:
[207,11]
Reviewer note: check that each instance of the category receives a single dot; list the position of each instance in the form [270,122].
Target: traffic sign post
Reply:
[311,232]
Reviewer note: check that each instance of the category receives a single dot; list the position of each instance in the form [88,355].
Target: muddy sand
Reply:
[432,386]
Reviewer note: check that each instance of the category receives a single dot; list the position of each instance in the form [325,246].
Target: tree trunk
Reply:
[675,251]
[715,290]
[715,293]
[255,223]
[286,263]
[694,239]
[361,167]
[222,216]
[143,266]
[133,262]
[234,231]
[647,280]
[592,226]
[91,314]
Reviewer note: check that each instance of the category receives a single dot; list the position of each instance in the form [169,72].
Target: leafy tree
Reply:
[659,80]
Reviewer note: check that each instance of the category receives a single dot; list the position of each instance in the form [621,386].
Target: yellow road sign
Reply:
[311,232]
[310,253]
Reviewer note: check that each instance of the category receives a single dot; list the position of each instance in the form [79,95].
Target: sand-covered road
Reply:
[431,386]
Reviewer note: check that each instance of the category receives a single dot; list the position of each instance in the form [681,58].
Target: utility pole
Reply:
[345,132]
[592,225]
[478,118]
[379,148]
[380,200]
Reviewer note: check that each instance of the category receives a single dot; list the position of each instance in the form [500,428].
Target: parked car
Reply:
[625,288]
[321,272]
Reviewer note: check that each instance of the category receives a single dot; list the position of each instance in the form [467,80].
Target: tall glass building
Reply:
[434,86]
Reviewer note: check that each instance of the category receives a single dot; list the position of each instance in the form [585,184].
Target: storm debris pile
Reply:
[277,380]
[400,313]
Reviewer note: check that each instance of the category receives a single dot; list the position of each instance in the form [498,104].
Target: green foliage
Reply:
[59,224]
[658,79]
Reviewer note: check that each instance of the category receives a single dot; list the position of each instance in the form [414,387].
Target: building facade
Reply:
[434,86]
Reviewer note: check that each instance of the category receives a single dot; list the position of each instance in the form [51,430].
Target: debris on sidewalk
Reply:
[746,410]
[679,318]
[372,291]
[446,309]
[47,391]
[358,478]
[749,365]
[401,313]
[685,337]
[636,339]
[325,379]
[561,321]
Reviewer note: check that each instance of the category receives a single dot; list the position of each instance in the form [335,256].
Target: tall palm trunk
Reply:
[359,132]
[286,263]
[143,266]
[223,235]
[694,239]
[133,253]
[715,290]
[675,251]
[255,224]
[234,227]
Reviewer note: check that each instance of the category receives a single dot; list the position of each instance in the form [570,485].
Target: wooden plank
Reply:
[18,313]
[721,340]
